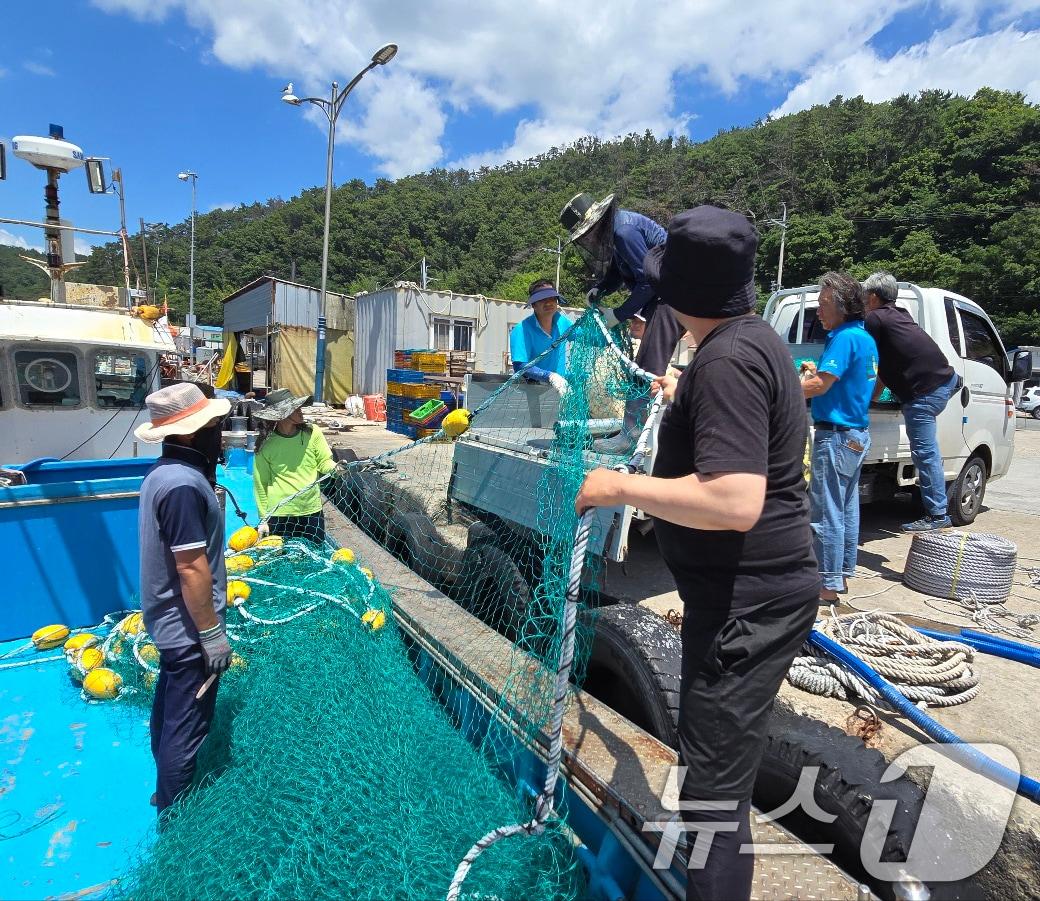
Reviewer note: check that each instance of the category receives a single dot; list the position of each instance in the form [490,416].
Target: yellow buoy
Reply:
[373,618]
[132,625]
[78,642]
[243,538]
[237,592]
[367,572]
[238,661]
[343,555]
[102,684]
[149,653]
[271,541]
[456,422]
[239,563]
[49,637]
[85,661]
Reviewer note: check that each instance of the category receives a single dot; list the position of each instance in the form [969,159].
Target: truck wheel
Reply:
[1035,413]
[965,493]
[634,667]
[421,546]
[494,590]
[847,783]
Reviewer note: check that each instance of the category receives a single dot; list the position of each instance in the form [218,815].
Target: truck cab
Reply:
[976,431]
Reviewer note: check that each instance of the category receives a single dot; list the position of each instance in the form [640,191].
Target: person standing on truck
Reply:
[916,370]
[532,336]
[183,582]
[731,515]
[614,242]
[291,455]
[840,386]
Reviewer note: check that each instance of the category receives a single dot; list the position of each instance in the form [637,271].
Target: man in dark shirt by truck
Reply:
[916,370]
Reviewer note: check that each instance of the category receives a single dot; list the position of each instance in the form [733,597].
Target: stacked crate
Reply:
[429,361]
[405,392]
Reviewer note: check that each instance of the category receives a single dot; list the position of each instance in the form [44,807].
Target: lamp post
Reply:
[184,176]
[331,108]
[782,225]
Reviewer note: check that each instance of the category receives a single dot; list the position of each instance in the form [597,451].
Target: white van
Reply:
[976,431]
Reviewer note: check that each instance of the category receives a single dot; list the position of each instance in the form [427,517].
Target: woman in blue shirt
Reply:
[533,335]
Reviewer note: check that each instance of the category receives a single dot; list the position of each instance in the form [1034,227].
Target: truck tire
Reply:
[1035,412]
[422,548]
[634,667]
[964,494]
[848,782]
[493,589]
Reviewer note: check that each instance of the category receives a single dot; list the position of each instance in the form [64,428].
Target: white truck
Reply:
[976,431]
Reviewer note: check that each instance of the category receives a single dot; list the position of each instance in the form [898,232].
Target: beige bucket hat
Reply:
[180,409]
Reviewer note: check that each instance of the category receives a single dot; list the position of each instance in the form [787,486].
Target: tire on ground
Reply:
[634,667]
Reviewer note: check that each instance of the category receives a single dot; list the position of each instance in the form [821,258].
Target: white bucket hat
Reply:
[180,409]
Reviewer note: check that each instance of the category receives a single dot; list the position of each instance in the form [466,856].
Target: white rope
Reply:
[961,565]
[924,670]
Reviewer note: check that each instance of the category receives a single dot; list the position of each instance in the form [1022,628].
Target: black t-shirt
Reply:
[739,408]
[910,363]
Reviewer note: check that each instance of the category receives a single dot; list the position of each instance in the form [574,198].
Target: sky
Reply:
[161,86]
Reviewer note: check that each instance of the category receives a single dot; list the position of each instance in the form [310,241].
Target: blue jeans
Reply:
[920,415]
[837,460]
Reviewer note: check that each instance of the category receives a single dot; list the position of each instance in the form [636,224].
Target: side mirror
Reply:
[96,182]
[1022,367]
[3,161]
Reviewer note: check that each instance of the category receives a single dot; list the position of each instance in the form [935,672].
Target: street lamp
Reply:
[184,176]
[331,108]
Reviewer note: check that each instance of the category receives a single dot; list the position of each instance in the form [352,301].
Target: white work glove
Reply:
[216,650]
[609,319]
[262,530]
[559,383]
[592,298]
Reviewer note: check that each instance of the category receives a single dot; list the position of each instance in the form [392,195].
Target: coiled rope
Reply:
[922,669]
[961,566]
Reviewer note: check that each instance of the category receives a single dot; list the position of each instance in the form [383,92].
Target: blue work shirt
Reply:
[851,355]
[634,235]
[527,340]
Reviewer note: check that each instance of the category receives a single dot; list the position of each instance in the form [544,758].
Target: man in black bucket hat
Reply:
[614,242]
[731,516]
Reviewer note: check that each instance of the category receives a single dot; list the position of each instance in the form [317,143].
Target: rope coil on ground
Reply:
[961,565]
[922,669]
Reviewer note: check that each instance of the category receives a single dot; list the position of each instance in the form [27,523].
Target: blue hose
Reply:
[974,759]
[990,644]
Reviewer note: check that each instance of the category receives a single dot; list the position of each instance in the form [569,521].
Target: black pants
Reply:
[663,331]
[310,527]
[733,663]
[180,723]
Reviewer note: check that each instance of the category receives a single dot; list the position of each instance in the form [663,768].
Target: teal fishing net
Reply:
[371,730]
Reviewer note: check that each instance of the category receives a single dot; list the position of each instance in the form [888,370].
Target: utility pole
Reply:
[422,274]
[782,225]
[124,238]
[559,258]
[144,253]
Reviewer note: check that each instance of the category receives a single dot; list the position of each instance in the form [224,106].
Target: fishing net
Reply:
[370,733]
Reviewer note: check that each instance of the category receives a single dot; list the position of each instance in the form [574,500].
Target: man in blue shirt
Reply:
[532,337]
[840,387]
[614,243]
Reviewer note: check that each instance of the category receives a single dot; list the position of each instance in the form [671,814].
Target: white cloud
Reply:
[39,69]
[13,240]
[83,247]
[223,206]
[1005,60]
[602,67]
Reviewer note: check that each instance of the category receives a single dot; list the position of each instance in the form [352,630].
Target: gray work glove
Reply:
[215,649]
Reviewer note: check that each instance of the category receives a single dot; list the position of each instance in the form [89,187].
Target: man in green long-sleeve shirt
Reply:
[289,459]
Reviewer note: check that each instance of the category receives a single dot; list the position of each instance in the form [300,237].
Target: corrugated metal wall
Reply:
[298,305]
[375,338]
[249,310]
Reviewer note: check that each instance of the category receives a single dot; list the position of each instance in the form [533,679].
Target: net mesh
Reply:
[341,764]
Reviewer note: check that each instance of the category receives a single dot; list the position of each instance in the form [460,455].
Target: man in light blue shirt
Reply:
[840,386]
[533,336]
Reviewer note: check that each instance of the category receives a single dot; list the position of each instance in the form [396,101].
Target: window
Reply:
[453,334]
[981,343]
[951,326]
[813,331]
[121,379]
[47,378]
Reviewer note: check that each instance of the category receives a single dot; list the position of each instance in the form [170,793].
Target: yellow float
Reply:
[456,422]
[239,563]
[132,625]
[85,661]
[343,555]
[243,538]
[49,637]
[79,642]
[103,684]
[374,619]
[237,592]
[271,542]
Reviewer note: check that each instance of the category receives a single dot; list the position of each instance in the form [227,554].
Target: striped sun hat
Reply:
[180,409]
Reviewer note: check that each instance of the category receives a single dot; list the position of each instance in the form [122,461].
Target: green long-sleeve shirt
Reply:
[283,466]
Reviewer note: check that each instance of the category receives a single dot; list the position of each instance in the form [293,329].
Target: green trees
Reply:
[939,189]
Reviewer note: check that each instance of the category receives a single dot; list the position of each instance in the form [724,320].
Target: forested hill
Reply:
[939,189]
